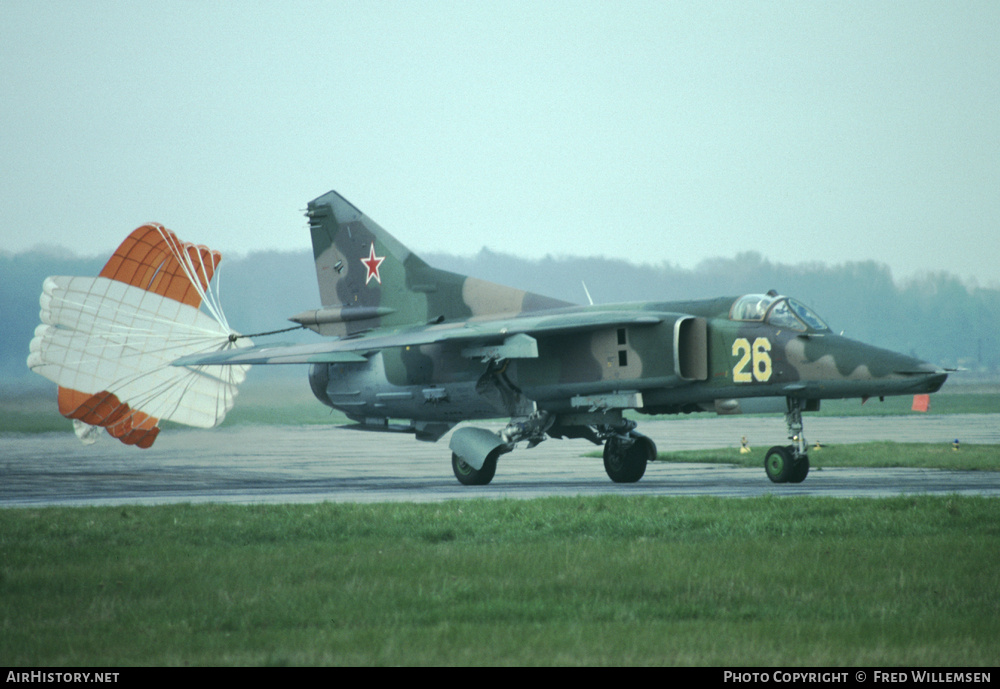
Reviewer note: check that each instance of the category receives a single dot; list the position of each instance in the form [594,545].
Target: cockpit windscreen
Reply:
[776,310]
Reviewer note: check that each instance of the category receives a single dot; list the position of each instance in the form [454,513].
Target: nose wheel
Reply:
[782,466]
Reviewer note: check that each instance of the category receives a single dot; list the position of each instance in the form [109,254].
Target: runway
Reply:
[281,464]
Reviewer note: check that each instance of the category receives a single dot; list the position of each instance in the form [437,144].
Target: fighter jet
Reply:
[414,349]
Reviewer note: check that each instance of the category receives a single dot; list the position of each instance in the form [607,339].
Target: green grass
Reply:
[308,413]
[941,403]
[590,581]
[874,454]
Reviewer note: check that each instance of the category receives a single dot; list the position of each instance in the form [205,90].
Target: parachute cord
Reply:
[233,336]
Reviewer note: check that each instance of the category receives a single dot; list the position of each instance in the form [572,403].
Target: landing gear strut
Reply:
[789,463]
[474,451]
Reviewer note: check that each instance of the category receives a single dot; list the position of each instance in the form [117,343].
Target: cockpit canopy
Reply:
[777,310]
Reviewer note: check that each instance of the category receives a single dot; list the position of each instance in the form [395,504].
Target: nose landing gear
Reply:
[789,463]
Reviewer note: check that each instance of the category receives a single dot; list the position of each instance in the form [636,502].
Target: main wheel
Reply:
[468,476]
[800,470]
[779,463]
[627,465]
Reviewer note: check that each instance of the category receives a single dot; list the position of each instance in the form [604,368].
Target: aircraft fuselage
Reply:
[684,362]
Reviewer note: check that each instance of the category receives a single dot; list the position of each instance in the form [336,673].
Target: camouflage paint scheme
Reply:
[430,349]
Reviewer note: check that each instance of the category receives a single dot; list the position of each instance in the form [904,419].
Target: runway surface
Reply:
[278,464]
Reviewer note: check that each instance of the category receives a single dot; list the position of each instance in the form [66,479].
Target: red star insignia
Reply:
[371,265]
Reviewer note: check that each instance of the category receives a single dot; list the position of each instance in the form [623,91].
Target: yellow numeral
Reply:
[761,359]
[756,357]
[740,374]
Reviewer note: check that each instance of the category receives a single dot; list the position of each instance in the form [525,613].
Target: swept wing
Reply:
[497,338]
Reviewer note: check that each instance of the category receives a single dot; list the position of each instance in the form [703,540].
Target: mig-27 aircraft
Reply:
[410,348]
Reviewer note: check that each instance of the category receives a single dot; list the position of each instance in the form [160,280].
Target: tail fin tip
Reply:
[343,210]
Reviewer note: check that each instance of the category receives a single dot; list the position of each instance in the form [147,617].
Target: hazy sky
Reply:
[652,131]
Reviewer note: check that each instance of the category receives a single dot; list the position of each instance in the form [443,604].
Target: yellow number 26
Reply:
[755,357]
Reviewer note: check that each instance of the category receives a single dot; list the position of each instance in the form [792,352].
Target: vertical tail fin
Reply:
[368,279]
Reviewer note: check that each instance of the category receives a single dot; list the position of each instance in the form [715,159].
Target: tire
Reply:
[800,470]
[628,466]
[778,464]
[468,476]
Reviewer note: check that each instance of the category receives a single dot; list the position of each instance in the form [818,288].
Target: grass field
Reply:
[572,581]
[941,403]
[590,581]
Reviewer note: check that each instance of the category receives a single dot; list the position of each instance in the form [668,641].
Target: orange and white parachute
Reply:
[108,341]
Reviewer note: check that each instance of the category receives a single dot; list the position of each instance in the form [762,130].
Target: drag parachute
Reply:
[108,341]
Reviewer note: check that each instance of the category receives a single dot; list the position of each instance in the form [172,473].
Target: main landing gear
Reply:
[789,463]
[626,452]
[475,451]
[469,476]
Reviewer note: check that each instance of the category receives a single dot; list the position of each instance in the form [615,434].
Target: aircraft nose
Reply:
[933,381]
[926,376]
